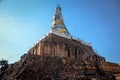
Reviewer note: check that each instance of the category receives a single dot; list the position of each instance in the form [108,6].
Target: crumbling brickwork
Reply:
[53,45]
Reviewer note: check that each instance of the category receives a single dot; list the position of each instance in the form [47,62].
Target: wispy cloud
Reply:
[15,35]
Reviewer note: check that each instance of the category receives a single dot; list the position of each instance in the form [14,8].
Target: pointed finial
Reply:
[58,26]
[58,4]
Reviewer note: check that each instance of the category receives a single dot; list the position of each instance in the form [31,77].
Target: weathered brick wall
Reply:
[53,45]
[111,67]
[54,52]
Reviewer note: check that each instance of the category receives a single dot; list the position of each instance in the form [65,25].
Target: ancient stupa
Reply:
[58,56]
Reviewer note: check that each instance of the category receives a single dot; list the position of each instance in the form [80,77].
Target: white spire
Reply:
[58,26]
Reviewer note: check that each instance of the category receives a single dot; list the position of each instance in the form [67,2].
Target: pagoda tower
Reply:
[58,26]
[58,56]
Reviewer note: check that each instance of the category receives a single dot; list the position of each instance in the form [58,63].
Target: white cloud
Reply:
[16,34]
[13,29]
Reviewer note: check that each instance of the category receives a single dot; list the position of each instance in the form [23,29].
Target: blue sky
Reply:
[24,22]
